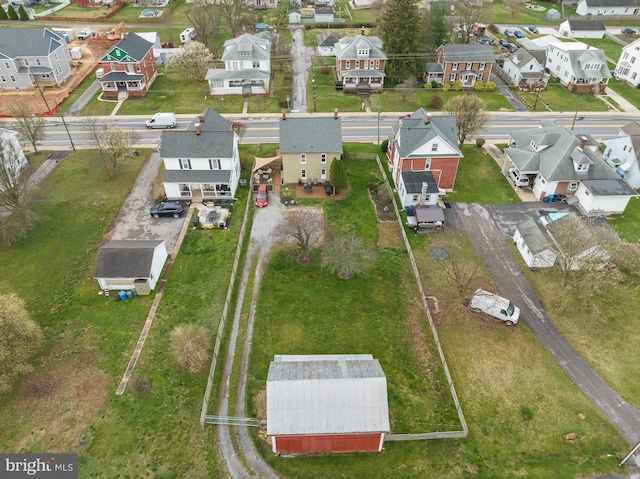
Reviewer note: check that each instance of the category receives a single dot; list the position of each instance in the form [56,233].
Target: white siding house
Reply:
[628,66]
[622,152]
[247,67]
[577,64]
[578,28]
[525,71]
[534,246]
[607,7]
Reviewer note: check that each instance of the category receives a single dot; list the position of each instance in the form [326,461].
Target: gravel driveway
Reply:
[302,59]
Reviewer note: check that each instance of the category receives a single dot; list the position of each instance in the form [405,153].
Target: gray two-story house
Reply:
[32,57]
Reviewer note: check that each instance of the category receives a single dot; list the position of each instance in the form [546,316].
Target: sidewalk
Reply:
[624,104]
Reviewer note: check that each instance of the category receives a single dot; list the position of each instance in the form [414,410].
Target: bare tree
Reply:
[626,256]
[114,145]
[239,127]
[206,19]
[304,227]
[190,347]
[232,13]
[470,114]
[29,127]
[347,255]
[469,13]
[194,61]
[407,88]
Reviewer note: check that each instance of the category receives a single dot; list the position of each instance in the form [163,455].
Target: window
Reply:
[483,66]
[55,55]
[633,60]
[26,62]
[256,63]
[38,62]
[323,158]
[434,147]
[427,198]
[185,164]
[573,186]
[13,79]
[7,66]
[427,164]
[377,64]
[469,66]
[452,77]
[347,64]
[303,173]
[454,66]
[582,167]
[323,173]
[2,79]
[415,197]
[303,158]
[214,164]
[216,83]
[633,77]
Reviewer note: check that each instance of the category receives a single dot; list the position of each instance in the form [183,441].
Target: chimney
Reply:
[362,31]
[423,192]
[201,118]
[197,125]
[284,114]
[335,114]
[582,142]
[427,119]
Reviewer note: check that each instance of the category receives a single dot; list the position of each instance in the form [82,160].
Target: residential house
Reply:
[308,147]
[326,403]
[202,162]
[360,63]
[418,187]
[326,43]
[14,160]
[295,16]
[422,142]
[628,67]
[525,69]
[260,4]
[623,153]
[559,162]
[130,264]
[247,67]
[31,57]
[129,67]
[607,7]
[323,15]
[578,66]
[582,28]
[535,247]
[464,62]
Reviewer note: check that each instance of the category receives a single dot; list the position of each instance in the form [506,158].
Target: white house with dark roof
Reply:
[525,69]
[578,66]
[559,162]
[32,57]
[129,67]
[461,62]
[623,153]
[202,162]
[130,264]
[535,247]
[360,63]
[418,188]
[247,67]
[309,145]
[326,403]
[628,66]
[607,7]
[582,28]
[326,43]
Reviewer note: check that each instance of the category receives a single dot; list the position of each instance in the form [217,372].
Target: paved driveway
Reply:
[487,238]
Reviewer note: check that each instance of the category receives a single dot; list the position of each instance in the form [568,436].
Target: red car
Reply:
[262,196]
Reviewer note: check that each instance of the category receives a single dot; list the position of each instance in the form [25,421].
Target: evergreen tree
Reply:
[24,16]
[3,14]
[338,174]
[436,29]
[12,12]
[399,27]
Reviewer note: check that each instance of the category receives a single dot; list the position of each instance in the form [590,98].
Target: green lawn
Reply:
[629,93]
[557,98]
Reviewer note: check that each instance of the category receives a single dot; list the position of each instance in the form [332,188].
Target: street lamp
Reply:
[288,99]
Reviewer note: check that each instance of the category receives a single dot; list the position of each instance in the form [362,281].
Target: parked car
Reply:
[517,178]
[509,34]
[503,42]
[511,47]
[628,31]
[486,41]
[168,209]
[518,34]
[262,196]
[161,120]
[494,305]
[533,29]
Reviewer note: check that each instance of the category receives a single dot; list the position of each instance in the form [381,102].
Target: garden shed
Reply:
[553,15]
[319,404]
[534,245]
[131,264]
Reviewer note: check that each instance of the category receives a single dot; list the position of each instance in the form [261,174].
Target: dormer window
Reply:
[363,51]
[434,147]
[582,167]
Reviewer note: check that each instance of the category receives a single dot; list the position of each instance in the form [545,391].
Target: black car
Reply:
[486,41]
[628,31]
[503,42]
[168,209]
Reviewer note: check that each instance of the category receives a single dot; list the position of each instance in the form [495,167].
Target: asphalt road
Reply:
[489,242]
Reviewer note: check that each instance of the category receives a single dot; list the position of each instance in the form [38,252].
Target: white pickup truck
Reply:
[494,305]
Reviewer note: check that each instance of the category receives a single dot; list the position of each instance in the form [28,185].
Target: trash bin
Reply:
[123,295]
[129,294]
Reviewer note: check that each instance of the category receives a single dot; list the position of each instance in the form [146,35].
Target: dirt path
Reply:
[302,59]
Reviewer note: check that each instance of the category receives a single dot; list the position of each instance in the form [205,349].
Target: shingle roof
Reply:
[591,25]
[23,42]
[193,176]
[213,121]
[327,39]
[126,259]
[467,53]
[311,135]
[246,47]
[609,187]
[610,3]
[326,394]
[347,48]
[633,130]
[250,74]
[536,240]
[413,181]
[121,76]
[414,132]
[186,144]
[133,45]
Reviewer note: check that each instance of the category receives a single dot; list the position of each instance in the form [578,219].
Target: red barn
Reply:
[129,67]
[422,142]
[323,404]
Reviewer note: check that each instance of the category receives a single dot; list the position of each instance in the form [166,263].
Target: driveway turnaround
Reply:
[489,242]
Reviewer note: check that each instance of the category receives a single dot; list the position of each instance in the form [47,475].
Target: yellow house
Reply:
[308,147]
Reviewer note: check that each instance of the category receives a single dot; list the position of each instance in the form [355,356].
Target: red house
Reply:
[129,67]
[322,404]
[360,63]
[422,142]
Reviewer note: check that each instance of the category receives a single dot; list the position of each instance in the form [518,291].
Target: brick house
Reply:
[467,63]
[360,63]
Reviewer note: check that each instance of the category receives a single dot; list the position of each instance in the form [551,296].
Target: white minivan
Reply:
[518,178]
[162,120]
[494,305]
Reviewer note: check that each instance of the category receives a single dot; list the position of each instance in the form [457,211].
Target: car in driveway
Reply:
[511,47]
[533,29]
[509,33]
[262,196]
[486,41]
[503,42]
[517,178]
[628,31]
[168,208]
[494,305]
[518,34]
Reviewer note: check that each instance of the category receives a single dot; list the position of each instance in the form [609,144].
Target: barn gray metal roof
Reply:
[326,394]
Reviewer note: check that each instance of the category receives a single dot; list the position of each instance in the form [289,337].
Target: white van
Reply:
[187,35]
[494,305]
[162,120]
[517,178]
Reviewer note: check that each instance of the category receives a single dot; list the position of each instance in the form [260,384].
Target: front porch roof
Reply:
[197,176]
[121,76]
[363,73]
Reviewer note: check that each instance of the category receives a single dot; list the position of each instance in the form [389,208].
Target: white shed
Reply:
[76,53]
[131,264]
[534,246]
[187,35]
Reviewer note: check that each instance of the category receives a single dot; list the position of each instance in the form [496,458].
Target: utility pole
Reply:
[313,84]
[379,121]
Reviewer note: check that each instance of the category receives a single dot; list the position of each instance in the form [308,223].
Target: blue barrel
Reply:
[123,295]
[550,199]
